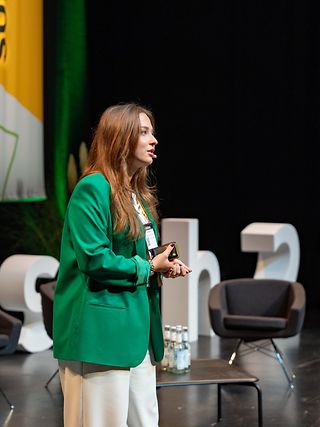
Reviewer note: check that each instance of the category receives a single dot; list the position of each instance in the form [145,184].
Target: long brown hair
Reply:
[115,141]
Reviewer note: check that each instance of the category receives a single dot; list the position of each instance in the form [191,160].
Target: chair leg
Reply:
[275,353]
[51,378]
[288,372]
[7,400]
[234,353]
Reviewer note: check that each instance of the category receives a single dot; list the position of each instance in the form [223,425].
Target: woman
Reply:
[107,331]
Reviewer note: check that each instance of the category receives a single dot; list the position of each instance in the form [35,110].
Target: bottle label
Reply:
[180,361]
[171,363]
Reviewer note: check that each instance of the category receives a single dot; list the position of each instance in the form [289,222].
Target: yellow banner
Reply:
[21,52]
[21,100]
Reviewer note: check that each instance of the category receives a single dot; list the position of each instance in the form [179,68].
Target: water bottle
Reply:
[186,349]
[165,360]
[179,359]
[171,355]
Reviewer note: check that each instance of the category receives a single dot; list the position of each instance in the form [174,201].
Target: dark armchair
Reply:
[47,294]
[10,329]
[257,309]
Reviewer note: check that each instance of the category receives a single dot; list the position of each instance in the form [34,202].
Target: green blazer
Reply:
[103,311]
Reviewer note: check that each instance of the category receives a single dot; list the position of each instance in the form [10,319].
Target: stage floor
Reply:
[23,377]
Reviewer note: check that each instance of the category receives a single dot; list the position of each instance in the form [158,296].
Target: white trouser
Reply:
[108,396]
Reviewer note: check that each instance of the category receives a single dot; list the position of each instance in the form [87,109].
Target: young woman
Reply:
[107,331]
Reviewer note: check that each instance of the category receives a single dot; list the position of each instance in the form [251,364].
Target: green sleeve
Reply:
[89,220]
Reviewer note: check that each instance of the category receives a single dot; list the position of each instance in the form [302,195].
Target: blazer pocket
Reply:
[99,305]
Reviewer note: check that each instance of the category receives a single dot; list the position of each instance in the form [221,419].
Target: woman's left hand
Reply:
[178,269]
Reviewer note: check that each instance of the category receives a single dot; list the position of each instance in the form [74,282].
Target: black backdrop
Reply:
[235,90]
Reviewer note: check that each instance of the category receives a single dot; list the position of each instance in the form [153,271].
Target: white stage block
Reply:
[18,275]
[278,249]
[185,299]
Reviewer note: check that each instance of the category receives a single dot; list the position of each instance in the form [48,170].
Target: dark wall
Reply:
[235,90]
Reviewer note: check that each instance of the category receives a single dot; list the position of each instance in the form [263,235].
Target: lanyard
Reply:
[150,236]
[140,210]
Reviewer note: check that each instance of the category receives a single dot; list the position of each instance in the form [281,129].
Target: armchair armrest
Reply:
[10,326]
[296,310]
[217,308]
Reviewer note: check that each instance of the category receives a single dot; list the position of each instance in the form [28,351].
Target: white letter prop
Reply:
[18,275]
[278,249]
[184,300]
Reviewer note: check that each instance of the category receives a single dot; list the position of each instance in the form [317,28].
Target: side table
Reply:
[212,371]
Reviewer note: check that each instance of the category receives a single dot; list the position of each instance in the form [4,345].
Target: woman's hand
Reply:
[178,269]
[170,269]
[161,262]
